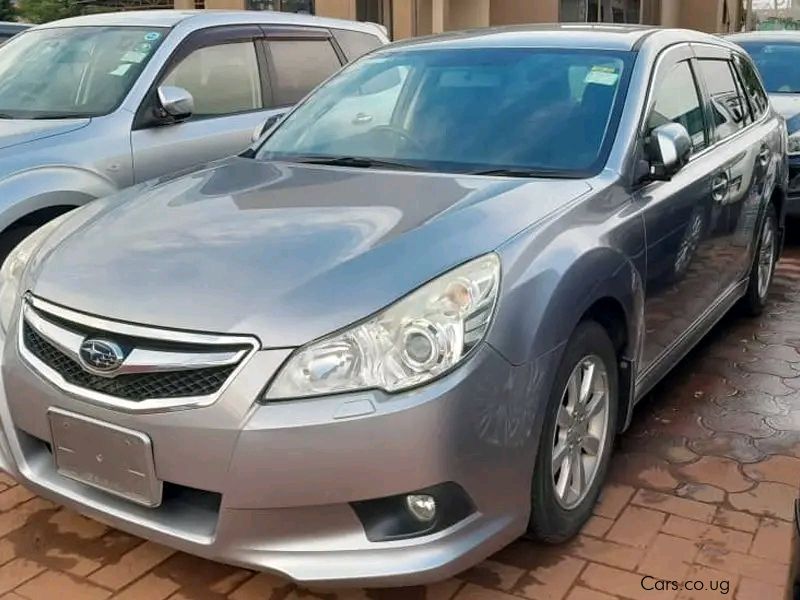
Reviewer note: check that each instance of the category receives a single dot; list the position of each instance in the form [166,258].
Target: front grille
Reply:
[134,386]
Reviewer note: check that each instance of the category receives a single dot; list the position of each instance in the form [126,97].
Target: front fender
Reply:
[544,302]
[41,187]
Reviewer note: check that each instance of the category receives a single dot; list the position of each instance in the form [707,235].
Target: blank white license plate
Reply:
[112,458]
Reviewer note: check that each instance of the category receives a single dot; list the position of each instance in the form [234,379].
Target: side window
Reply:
[678,101]
[727,107]
[222,79]
[748,117]
[355,43]
[299,66]
[753,88]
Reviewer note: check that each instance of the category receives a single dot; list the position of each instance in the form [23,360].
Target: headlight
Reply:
[412,341]
[13,267]
[794,143]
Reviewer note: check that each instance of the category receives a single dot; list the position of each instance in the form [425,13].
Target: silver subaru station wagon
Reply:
[404,328]
[94,104]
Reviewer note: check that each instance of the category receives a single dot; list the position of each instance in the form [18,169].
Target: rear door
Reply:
[743,149]
[298,60]
[224,69]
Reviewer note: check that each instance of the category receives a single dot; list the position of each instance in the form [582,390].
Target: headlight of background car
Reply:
[13,267]
[412,341]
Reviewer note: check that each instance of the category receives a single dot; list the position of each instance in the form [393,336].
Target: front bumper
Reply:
[284,474]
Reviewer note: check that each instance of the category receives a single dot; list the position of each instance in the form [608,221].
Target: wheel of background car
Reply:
[763,267]
[577,436]
[396,131]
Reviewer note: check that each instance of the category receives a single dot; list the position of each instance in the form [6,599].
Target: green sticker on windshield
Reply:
[602,76]
[151,36]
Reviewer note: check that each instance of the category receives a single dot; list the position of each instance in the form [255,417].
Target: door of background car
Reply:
[683,215]
[239,77]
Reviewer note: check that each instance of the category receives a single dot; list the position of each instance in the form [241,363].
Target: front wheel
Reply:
[763,267]
[577,436]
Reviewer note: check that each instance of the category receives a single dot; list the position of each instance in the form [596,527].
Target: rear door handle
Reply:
[719,187]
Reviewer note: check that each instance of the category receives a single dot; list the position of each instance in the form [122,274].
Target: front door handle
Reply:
[719,187]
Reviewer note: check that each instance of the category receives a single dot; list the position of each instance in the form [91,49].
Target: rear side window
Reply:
[727,107]
[752,87]
[678,101]
[355,44]
[299,66]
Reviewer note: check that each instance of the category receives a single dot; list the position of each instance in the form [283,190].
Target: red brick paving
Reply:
[701,488]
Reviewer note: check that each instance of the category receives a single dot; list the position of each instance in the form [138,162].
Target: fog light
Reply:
[422,507]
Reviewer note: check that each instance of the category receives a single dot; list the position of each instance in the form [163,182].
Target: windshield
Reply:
[551,111]
[779,64]
[72,71]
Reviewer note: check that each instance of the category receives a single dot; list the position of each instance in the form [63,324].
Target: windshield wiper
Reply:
[353,161]
[520,173]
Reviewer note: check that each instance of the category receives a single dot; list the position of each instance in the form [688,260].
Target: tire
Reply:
[763,267]
[556,517]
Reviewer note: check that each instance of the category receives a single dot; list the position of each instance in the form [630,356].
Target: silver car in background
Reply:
[94,104]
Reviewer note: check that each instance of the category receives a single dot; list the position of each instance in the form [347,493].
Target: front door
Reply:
[682,216]
[220,67]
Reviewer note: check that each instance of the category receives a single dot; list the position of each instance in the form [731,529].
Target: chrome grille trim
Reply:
[139,361]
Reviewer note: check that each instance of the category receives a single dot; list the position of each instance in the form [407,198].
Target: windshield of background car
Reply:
[464,110]
[779,64]
[72,71]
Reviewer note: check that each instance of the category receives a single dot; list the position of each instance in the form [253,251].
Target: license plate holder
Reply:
[114,459]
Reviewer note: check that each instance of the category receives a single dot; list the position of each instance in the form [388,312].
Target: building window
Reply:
[601,11]
[294,6]
[375,11]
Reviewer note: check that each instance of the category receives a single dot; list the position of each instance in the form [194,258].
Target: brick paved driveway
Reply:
[701,488]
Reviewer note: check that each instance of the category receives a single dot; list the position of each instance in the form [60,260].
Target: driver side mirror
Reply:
[668,151]
[175,102]
[263,129]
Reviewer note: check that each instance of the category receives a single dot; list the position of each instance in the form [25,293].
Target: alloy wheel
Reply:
[580,432]
[766,257]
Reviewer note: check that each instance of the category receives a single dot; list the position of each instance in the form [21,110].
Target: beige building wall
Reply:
[467,14]
[339,9]
[509,12]
[227,4]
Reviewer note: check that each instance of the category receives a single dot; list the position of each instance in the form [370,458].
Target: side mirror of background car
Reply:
[668,150]
[262,130]
[176,102]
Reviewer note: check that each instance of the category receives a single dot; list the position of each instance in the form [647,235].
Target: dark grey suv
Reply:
[405,327]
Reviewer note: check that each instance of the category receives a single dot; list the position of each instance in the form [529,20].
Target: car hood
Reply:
[20,131]
[284,252]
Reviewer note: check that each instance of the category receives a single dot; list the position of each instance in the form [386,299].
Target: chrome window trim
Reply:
[65,343]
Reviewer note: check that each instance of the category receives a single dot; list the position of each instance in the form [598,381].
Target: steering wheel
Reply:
[400,134]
